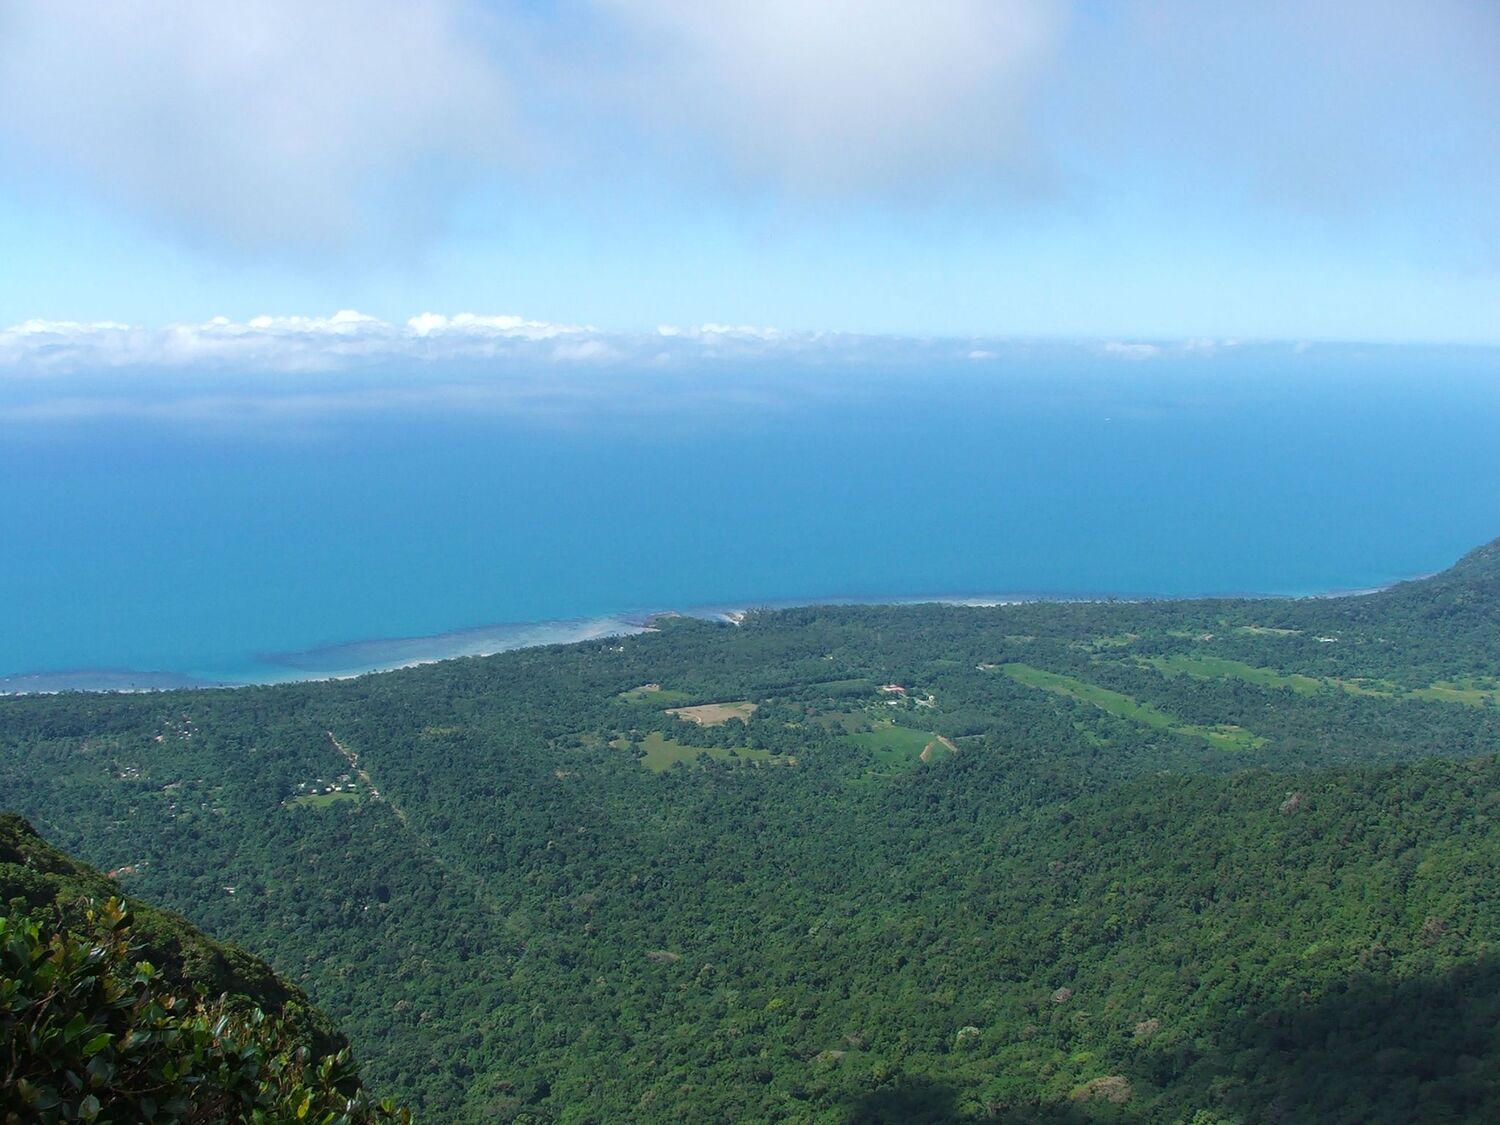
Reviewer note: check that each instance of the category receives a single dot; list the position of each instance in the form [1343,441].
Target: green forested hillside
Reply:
[113,1011]
[43,882]
[1214,861]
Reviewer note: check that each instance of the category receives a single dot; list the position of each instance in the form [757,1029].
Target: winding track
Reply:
[353,759]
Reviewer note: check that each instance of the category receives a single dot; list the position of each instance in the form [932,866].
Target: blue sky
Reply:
[975,168]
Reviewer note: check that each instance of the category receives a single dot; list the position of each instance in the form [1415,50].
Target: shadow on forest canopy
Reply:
[1368,1049]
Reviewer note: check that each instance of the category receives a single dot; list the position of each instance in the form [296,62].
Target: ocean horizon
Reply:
[166,529]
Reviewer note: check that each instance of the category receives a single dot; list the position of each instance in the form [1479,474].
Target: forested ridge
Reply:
[1210,861]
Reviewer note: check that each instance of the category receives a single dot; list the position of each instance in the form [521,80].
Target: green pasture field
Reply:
[655,695]
[662,753]
[1216,667]
[892,745]
[1469,693]
[323,800]
[1226,736]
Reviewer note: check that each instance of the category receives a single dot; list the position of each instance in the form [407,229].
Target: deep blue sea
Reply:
[233,529]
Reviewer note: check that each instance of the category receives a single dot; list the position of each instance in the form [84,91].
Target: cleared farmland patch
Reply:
[660,753]
[893,745]
[715,714]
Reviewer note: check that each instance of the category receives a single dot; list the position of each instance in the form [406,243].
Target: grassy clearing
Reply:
[839,687]
[1226,736]
[715,714]
[323,800]
[891,745]
[662,753]
[1267,631]
[1469,693]
[1112,640]
[844,722]
[654,694]
[1363,685]
[938,750]
[1214,667]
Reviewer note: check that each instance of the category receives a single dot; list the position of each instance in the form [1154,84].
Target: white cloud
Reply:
[583,351]
[286,370]
[430,324]
[715,332]
[347,123]
[345,322]
[65,328]
[349,341]
[846,95]
[1120,350]
[1332,109]
[261,121]
[58,344]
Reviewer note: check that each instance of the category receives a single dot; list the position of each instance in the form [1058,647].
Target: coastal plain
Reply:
[1049,861]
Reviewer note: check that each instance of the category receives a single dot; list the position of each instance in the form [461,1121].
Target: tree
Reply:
[89,1034]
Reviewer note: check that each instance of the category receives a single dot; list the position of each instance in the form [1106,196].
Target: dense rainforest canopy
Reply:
[1208,861]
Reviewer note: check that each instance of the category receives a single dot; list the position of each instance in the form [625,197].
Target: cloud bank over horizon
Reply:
[276,376]
[351,340]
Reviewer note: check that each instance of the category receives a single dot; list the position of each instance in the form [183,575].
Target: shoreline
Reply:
[352,659]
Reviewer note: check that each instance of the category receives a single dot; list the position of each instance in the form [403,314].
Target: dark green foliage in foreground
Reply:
[91,1031]
[1079,913]
[89,1036]
[45,883]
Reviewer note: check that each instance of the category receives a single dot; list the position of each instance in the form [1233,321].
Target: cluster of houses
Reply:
[344,783]
[896,693]
[182,728]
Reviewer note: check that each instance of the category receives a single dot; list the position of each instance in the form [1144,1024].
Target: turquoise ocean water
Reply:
[259,528]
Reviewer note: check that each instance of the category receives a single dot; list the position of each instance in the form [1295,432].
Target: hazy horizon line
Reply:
[349,339]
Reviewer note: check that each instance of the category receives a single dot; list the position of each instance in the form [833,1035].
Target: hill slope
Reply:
[1109,861]
[45,882]
[114,1011]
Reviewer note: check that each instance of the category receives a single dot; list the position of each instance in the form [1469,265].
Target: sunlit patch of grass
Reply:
[660,753]
[1226,736]
[1215,667]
